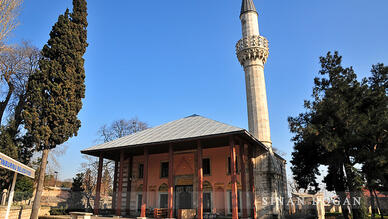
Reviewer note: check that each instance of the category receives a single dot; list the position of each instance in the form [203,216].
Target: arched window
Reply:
[139,191]
[163,196]
[229,196]
[163,188]
[207,196]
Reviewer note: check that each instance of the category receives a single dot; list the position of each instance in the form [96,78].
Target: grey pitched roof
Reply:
[247,5]
[186,128]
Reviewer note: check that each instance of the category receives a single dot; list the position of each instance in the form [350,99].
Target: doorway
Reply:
[184,197]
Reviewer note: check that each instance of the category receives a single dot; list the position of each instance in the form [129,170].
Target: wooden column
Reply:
[145,184]
[252,182]
[233,178]
[170,181]
[98,187]
[129,185]
[115,186]
[243,179]
[200,181]
[120,187]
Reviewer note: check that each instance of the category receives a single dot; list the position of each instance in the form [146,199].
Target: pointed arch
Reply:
[229,187]
[139,188]
[207,186]
[163,187]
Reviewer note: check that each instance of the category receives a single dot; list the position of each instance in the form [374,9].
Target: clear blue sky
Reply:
[164,60]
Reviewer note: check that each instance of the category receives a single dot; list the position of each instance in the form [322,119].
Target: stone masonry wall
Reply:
[271,186]
[22,212]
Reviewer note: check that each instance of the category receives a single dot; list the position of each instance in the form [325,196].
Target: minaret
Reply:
[252,52]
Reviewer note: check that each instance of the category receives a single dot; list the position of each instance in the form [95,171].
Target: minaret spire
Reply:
[247,5]
[252,52]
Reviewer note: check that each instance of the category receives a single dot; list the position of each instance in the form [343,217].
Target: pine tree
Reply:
[337,130]
[24,188]
[374,131]
[55,91]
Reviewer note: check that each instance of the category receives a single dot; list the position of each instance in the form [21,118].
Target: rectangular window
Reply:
[206,166]
[230,168]
[238,201]
[163,201]
[139,202]
[141,171]
[207,207]
[164,170]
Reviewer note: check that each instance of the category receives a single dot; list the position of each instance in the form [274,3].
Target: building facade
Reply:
[192,163]
[199,166]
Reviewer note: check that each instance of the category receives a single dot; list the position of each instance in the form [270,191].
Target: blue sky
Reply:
[164,60]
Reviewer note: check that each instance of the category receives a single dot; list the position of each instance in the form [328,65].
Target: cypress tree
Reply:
[55,91]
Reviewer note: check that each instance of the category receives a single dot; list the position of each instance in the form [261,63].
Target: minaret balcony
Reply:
[252,48]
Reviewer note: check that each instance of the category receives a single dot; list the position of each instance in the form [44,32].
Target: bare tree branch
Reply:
[106,133]
[17,63]
[121,128]
[9,11]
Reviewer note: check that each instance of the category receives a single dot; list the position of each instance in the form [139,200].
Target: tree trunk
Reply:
[344,208]
[4,104]
[354,191]
[372,203]
[17,120]
[33,195]
[39,189]
[378,205]
[88,204]
[340,189]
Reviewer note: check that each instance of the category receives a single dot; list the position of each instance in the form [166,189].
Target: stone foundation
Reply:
[22,212]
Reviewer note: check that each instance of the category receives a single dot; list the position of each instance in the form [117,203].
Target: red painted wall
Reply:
[219,178]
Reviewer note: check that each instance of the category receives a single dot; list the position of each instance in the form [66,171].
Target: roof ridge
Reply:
[187,127]
[194,115]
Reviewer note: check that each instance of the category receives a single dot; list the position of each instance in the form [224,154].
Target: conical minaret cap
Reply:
[247,5]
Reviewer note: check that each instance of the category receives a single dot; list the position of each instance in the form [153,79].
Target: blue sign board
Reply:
[13,165]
